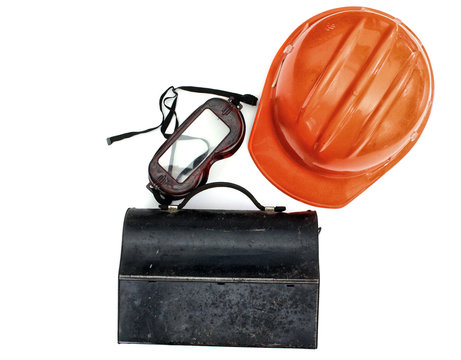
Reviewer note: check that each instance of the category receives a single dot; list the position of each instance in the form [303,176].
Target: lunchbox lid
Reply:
[219,245]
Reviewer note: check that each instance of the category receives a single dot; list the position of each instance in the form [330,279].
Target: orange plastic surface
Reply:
[347,96]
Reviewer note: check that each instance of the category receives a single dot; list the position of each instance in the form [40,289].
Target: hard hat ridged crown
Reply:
[353,89]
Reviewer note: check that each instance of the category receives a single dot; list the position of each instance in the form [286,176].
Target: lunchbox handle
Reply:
[222,184]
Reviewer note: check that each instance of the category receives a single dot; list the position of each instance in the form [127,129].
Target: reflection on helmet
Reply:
[347,96]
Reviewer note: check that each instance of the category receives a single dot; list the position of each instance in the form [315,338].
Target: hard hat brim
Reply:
[294,179]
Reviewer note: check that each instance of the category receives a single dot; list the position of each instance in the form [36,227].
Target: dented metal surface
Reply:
[235,278]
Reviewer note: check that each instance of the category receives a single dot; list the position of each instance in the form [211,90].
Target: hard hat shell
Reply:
[346,97]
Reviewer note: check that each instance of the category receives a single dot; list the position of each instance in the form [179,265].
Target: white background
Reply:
[74,72]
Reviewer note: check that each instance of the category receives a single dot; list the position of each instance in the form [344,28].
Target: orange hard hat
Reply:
[347,96]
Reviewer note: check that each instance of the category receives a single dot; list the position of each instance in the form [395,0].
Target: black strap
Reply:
[228,185]
[169,103]
[236,98]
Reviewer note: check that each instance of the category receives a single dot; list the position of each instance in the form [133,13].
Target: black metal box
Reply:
[215,277]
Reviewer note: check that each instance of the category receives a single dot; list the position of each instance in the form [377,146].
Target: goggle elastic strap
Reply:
[167,103]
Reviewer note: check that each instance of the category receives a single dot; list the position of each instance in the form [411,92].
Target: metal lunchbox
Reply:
[219,277]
